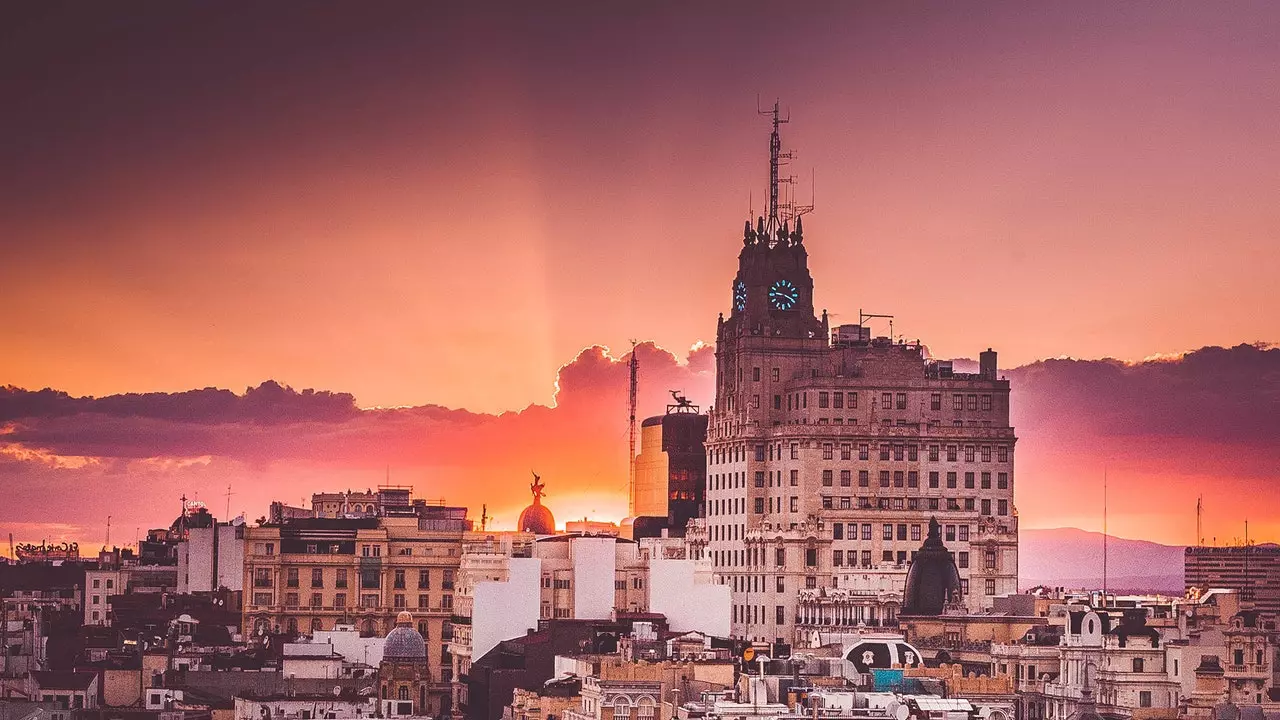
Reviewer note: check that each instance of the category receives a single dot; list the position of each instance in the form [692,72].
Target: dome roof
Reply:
[537,519]
[403,642]
[933,578]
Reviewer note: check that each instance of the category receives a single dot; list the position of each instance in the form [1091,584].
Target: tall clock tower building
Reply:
[829,451]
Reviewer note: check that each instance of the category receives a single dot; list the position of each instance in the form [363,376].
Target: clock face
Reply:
[784,294]
[740,296]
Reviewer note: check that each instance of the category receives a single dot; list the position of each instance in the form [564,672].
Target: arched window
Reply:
[644,709]
[316,625]
[402,693]
[621,707]
[292,625]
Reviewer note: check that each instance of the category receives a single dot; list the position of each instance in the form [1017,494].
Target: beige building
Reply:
[830,449]
[312,574]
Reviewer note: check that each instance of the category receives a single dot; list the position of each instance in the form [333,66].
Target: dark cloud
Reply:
[1208,414]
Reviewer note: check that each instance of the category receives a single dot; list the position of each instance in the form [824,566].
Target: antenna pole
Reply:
[1104,537]
[229,494]
[1199,521]
[108,544]
[631,427]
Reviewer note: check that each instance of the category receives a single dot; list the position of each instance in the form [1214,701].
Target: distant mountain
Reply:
[1072,558]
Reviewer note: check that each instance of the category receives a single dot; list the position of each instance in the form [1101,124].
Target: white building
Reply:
[211,558]
[501,595]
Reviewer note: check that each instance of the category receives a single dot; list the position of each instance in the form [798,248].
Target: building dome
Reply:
[536,518]
[933,578]
[403,642]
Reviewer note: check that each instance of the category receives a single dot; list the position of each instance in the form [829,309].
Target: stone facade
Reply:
[828,453]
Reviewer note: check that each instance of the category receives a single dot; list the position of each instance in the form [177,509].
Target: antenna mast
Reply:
[1104,537]
[631,428]
[1199,521]
[229,494]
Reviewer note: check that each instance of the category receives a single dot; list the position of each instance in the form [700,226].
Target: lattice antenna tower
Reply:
[631,427]
[783,208]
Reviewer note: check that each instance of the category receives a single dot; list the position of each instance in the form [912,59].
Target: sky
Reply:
[437,208]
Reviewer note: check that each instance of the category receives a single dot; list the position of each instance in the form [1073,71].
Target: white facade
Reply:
[99,586]
[346,641]
[212,558]
[689,597]
[506,609]
[594,565]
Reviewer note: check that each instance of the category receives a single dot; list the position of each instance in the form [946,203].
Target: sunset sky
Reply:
[436,208]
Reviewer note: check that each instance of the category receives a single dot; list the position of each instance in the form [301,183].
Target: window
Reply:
[887,556]
[340,578]
[853,399]
[899,452]
[884,478]
[886,532]
[933,479]
[986,481]
[864,478]
[837,558]
[935,401]
[846,502]
[780,583]
[1137,664]
[755,374]
[398,581]
[760,453]
[811,557]
[291,599]
[826,478]
[1002,481]
[957,402]
[864,452]
[317,577]
[949,533]
[780,557]
[1002,454]
[260,598]
[897,478]
[986,402]
[962,559]
[262,577]
[317,600]
[951,479]
[1002,507]
[398,601]
[886,401]
[759,478]
[1144,698]
[913,479]
[989,586]
[828,451]
[884,452]
[795,451]
[968,480]
[291,577]
[986,453]
[846,478]
[795,478]
[846,451]
[96,583]
[424,579]
[968,503]
[972,402]
[901,403]
[774,374]
[837,531]
[837,400]
[777,402]
[952,455]
[964,533]
[795,504]
[902,531]
[824,399]
[986,506]
[826,502]
[989,560]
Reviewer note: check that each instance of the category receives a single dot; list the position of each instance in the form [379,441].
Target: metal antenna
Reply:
[776,156]
[1104,536]
[229,494]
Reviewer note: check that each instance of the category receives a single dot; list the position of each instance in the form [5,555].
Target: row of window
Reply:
[886,478]
[370,578]
[848,502]
[909,452]
[367,600]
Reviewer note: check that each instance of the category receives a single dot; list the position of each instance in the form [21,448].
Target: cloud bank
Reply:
[1164,431]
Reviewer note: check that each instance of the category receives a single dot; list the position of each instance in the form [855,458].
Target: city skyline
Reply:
[445,224]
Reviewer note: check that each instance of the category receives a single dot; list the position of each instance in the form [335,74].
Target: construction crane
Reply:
[631,430]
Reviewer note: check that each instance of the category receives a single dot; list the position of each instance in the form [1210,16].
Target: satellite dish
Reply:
[902,712]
